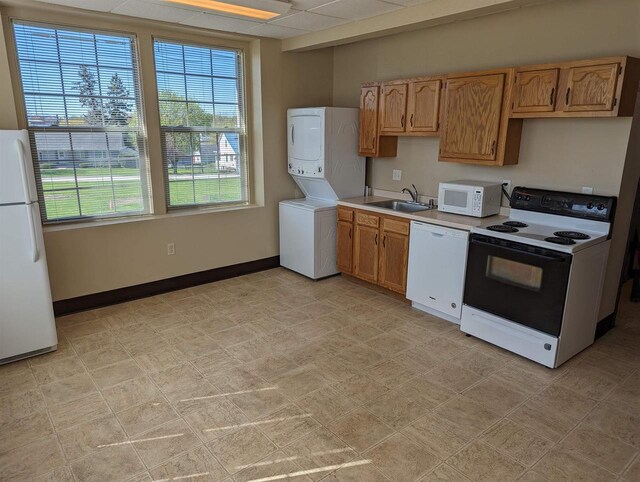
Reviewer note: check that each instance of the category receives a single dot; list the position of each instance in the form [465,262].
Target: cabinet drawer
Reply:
[367,219]
[345,214]
[395,226]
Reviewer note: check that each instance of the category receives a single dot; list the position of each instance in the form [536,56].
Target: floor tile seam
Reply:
[204,445]
[113,414]
[579,454]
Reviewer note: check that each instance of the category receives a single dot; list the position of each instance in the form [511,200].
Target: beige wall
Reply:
[91,259]
[561,154]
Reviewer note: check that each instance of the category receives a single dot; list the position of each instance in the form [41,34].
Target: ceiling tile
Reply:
[219,22]
[153,11]
[274,31]
[409,3]
[98,5]
[308,21]
[355,9]
[307,4]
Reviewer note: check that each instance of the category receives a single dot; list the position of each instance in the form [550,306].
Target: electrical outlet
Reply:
[171,249]
[587,190]
[506,183]
[397,175]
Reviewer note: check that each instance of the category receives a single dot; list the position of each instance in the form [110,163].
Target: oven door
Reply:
[519,282]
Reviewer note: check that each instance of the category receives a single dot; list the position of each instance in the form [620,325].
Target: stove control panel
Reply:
[577,205]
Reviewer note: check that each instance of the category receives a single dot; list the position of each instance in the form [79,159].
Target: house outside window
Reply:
[84,113]
[203,124]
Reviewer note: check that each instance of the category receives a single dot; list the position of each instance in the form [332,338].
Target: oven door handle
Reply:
[558,259]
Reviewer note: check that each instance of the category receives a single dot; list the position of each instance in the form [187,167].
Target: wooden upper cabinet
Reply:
[393,108]
[591,88]
[368,138]
[472,117]
[369,141]
[423,105]
[584,88]
[535,91]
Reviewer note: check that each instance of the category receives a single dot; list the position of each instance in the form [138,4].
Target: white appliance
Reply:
[27,324]
[437,261]
[470,198]
[324,162]
[534,282]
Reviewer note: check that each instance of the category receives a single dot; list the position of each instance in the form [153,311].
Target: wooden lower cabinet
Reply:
[365,253]
[394,254]
[344,249]
[374,248]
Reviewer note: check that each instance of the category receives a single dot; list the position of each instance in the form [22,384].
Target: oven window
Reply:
[457,199]
[514,273]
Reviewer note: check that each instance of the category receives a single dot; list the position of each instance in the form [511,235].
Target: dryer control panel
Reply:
[306,168]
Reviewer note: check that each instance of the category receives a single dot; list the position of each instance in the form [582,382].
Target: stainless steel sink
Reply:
[399,205]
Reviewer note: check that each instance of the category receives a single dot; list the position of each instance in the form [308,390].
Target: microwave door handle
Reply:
[520,251]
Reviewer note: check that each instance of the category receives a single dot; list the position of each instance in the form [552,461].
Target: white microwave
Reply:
[470,198]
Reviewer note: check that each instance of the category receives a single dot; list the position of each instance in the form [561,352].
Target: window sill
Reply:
[50,228]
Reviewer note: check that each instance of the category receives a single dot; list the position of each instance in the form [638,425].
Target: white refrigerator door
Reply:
[17,182]
[27,323]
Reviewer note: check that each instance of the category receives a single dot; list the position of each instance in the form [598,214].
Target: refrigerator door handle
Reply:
[35,254]
[23,170]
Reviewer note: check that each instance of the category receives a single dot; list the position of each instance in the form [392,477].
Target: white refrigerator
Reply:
[27,324]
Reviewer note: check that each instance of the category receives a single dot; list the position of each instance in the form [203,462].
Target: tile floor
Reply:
[271,377]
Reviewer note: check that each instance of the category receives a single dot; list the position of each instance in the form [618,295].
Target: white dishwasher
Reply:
[437,264]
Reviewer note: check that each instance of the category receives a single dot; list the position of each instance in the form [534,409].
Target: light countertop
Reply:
[432,216]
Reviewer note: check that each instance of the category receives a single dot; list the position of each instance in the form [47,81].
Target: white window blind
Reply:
[82,98]
[202,119]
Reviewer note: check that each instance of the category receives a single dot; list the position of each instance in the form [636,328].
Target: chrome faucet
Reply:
[413,194]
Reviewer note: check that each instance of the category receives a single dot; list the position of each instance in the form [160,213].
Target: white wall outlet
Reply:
[397,175]
[171,249]
[506,183]
[587,190]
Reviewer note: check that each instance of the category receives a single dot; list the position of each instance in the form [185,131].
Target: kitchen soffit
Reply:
[306,24]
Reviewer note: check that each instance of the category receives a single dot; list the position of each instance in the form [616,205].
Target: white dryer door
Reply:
[306,136]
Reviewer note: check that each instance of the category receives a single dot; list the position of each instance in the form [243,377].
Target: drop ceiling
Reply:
[303,17]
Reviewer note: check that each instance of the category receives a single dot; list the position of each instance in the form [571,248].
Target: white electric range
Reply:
[534,282]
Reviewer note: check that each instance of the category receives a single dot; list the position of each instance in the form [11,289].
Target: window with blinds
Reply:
[202,119]
[82,98]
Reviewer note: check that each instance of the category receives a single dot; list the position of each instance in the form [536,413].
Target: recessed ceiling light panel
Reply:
[257,9]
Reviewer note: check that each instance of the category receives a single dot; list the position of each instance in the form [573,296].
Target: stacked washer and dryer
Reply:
[324,162]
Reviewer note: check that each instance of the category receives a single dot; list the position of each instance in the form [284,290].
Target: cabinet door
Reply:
[366,253]
[368,137]
[591,88]
[423,105]
[472,114]
[535,91]
[344,249]
[394,254]
[393,108]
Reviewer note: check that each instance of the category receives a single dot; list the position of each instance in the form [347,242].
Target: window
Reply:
[84,115]
[202,119]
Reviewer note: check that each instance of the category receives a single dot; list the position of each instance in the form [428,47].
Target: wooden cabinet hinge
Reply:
[615,101]
[619,69]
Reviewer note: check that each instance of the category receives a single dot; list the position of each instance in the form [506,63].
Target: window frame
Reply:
[243,131]
[146,185]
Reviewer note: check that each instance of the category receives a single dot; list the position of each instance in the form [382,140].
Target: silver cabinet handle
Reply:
[293,133]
